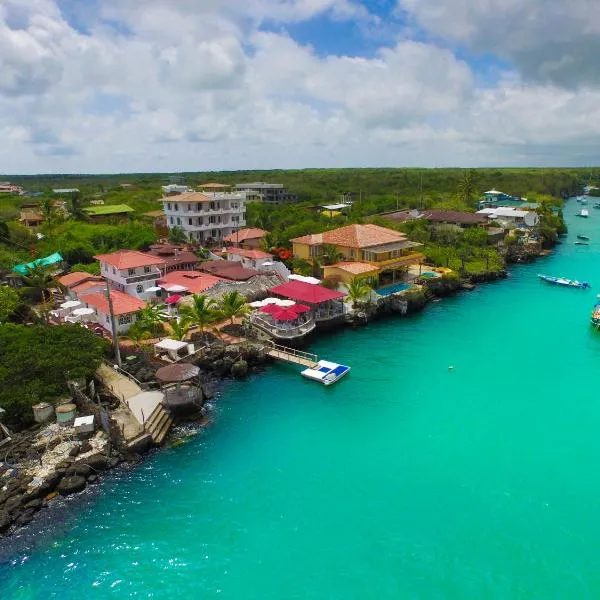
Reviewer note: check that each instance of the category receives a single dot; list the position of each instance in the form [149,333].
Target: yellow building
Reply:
[367,252]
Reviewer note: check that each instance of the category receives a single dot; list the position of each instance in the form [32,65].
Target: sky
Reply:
[103,86]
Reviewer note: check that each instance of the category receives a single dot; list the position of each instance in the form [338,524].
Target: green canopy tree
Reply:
[179,328]
[357,291]
[9,302]
[202,311]
[150,318]
[233,304]
[177,236]
[38,281]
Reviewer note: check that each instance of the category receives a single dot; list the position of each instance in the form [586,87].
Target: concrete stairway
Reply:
[158,424]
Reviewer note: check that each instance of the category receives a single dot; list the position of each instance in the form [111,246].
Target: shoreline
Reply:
[215,380]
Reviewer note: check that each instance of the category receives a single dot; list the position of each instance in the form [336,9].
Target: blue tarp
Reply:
[48,260]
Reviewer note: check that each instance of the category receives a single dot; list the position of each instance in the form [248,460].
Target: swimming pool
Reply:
[392,289]
[429,274]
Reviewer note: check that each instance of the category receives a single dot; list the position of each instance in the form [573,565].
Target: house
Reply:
[79,283]
[268,193]
[7,188]
[174,188]
[65,191]
[507,216]
[176,257]
[194,282]
[227,269]
[206,217]
[214,187]
[248,238]
[31,217]
[495,197]
[461,219]
[131,272]
[389,252]
[346,272]
[108,212]
[253,259]
[124,308]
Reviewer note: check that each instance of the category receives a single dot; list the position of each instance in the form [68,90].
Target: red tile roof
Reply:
[129,259]
[84,286]
[355,268]
[306,292]
[187,197]
[122,303]
[194,281]
[228,269]
[250,233]
[173,255]
[248,253]
[354,236]
[72,279]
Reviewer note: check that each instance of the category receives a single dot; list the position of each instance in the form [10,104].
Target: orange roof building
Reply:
[129,259]
[72,279]
[195,282]
[246,238]
[125,309]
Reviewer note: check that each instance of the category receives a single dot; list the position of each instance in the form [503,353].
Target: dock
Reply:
[291,355]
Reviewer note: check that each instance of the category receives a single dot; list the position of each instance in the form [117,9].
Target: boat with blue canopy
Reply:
[564,282]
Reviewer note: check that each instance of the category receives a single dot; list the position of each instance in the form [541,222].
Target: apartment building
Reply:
[269,193]
[206,217]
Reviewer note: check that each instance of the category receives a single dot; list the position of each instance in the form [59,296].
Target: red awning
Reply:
[174,299]
[306,292]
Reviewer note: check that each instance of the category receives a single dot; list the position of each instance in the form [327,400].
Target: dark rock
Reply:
[75,450]
[25,517]
[98,462]
[5,522]
[60,471]
[71,485]
[12,503]
[64,464]
[85,447]
[36,504]
[93,478]
[79,469]
[239,369]
[219,367]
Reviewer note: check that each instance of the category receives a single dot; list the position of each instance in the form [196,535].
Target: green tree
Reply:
[9,302]
[331,255]
[37,281]
[91,268]
[138,334]
[38,361]
[475,236]
[150,318]
[233,304]
[179,328]
[357,290]
[467,187]
[177,236]
[202,311]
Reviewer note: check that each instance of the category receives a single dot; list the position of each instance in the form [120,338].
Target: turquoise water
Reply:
[404,480]
[392,289]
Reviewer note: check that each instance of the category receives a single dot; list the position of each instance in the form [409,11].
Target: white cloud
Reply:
[198,84]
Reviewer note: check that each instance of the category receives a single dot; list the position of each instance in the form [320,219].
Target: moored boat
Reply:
[326,372]
[564,282]
[595,320]
[597,205]
[582,243]
[584,212]
[583,237]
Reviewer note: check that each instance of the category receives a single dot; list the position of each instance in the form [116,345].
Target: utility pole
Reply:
[397,200]
[113,324]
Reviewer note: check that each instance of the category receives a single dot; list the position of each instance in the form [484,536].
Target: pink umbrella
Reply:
[174,299]
[285,314]
[300,308]
[270,308]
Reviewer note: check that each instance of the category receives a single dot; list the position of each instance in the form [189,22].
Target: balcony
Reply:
[145,277]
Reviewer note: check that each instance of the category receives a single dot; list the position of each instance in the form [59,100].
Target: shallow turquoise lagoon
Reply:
[404,480]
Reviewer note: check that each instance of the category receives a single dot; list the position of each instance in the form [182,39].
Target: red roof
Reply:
[306,292]
[82,287]
[250,233]
[122,303]
[249,253]
[353,236]
[194,281]
[71,279]
[228,269]
[129,259]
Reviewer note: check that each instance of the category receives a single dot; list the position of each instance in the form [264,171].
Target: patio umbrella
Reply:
[82,312]
[256,304]
[154,288]
[173,299]
[176,288]
[301,308]
[284,314]
[270,301]
[286,303]
[270,308]
[177,373]
[70,304]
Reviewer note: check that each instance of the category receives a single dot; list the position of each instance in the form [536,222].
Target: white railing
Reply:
[281,332]
[293,352]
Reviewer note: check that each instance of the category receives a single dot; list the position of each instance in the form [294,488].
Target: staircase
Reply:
[429,295]
[158,424]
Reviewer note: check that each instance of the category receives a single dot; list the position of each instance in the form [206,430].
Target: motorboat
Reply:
[326,372]
[583,237]
[564,282]
[582,243]
[584,212]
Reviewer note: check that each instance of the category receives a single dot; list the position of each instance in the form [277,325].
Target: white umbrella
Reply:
[176,288]
[257,304]
[286,303]
[270,301]
[80,312]
[154,288]
[70,304]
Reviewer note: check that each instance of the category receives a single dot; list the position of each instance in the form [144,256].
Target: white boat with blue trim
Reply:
[326,372]
[564,282]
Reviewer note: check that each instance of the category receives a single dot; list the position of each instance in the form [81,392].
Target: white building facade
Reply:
[206,216]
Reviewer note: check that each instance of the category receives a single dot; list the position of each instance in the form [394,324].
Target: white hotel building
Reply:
[206,216]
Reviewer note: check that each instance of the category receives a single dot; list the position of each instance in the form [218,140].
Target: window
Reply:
[107,319]
[198,206]
[189,207]
[352,253]
[131,271]
[171,220]
[212,219]
[213,233]
[190,221]
[200,220]
[316,250]
[146,269]
[212,206]
[176,206]
[114,270]
[124,319]
[168,206]
[178,221]
[139,289]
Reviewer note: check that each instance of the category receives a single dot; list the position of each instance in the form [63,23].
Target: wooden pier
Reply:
[291,355]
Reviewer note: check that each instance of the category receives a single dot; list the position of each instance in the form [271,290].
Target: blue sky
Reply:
[143,85]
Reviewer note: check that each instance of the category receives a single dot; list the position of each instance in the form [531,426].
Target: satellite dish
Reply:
[531,219]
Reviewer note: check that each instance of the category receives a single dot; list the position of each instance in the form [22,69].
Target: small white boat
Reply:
[326,372]
[584,212]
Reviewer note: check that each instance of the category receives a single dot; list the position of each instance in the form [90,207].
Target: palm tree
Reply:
[38,279]
[150,318]
[466,187]
[138,334]
[202,311]
[179,328]
[357,290]
[233,304]
[331,254]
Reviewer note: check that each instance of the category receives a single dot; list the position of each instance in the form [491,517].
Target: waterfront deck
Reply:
[291,355]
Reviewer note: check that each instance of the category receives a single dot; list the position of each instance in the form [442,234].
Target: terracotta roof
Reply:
[228,269]
[173,255]
[122,303]
[306,292]
[72,279]
[187,197]
[82,288]
[454,216]
[355,268]
[129,259]
[249,253]
[194,281]
[354,236]
[251,233]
